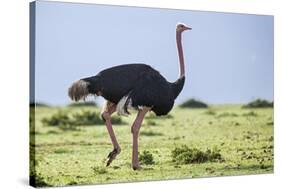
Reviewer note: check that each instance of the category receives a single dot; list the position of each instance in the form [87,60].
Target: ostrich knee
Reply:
[135,130]
[105,116]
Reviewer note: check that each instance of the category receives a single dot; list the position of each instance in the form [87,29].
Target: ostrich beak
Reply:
[188,28]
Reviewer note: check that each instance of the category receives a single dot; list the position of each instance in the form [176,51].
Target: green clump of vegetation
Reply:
[210,112]
[153,116]
[93,118]
[186,155]
[150,122]
[193,103]
[259,103]
[67,121]
[87,118]
[146,158]
[83,104]
[227,114]
[250,114]
[99,170]
[62,151]
[150,133]
[59,118]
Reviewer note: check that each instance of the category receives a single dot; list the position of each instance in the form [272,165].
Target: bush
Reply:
[150,122]
[82,104]
[227,114]
[87,118]
[93,118]
[150,133]
[192,103]
[250,114]
[60,118]
[69,122]
[259,103]
[99,170]
[210,112]
[153,116]
[186,155]
[146,158]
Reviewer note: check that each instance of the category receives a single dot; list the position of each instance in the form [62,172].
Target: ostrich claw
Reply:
[112,155]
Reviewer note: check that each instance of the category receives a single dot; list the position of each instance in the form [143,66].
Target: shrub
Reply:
[250,114]
[153,116]
[259,103]
[93,118]
[186,155]
[146,158]
[150,133]
[210,112]
[116,120]
[87,118]
[99,170]
[69,122]
[193,103]
[227,114]
[81,104]
[150,122]
[60,118]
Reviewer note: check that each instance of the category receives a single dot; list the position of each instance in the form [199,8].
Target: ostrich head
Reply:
[182,27]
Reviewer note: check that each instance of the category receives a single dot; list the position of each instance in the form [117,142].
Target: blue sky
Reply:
[229,57]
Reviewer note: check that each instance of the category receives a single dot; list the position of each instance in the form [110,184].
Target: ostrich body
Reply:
[136,86]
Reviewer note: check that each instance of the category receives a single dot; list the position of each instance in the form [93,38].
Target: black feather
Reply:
[144,85]
[177,86]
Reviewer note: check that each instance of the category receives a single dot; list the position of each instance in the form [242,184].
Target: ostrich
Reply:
[136,86]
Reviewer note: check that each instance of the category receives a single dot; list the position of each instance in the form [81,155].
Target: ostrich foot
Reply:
[112,155]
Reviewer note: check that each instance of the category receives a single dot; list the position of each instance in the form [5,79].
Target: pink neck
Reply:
[180,52]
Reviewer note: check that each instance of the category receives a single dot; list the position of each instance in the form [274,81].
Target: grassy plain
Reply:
[243,137]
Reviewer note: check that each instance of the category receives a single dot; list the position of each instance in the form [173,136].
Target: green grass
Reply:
[243,138]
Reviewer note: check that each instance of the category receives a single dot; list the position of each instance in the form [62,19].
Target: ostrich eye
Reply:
[181,26]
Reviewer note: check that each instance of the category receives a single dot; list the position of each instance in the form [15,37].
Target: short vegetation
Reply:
[187,155]
[69,121]
[193,103]
[146,158]
[191,143]
[259,103]
[83,104]
[152,115]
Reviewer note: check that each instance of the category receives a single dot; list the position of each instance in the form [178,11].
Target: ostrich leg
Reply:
[109,109]
[135,131]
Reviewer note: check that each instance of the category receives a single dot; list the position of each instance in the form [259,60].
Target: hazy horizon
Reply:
[229,57]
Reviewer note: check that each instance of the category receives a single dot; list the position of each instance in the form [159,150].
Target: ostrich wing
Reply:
[152,90]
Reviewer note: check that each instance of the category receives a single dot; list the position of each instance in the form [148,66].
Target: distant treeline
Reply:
[75,104]
[258,103]
[190,103]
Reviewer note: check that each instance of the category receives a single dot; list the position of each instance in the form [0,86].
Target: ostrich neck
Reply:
[180,53]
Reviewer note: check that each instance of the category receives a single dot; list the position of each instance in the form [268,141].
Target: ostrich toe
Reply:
[112,155]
